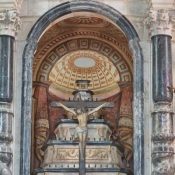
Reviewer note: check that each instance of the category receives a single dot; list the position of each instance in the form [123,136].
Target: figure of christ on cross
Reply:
[82,115]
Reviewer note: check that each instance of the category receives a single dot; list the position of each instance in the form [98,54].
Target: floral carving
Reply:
[160,22]
[9,22]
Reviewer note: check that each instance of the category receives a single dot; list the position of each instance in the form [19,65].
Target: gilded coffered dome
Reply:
[86,65]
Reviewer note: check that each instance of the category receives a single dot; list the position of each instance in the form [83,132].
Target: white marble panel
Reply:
[38,7]
[148,105]
[64,156]
[17,105]
[96,131]
[27,24]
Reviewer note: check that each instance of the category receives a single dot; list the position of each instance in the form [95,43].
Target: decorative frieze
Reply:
[160,22]
[9,22]
[67,155]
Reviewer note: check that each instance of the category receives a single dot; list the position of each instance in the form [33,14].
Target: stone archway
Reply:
[37,30]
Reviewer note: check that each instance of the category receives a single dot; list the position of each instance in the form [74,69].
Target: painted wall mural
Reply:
[125,123]
[41,120]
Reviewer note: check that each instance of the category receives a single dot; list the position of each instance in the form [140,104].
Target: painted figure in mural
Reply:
[82,115]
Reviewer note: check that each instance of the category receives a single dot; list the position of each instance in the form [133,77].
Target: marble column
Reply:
[162,117]
[9,23]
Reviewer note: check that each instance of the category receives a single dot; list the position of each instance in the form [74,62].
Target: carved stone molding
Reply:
[9,22]
[160,22]
[163,106]
[64,156]
[4,106]
[162,137]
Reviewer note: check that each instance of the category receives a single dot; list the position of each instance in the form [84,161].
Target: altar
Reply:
[102,155]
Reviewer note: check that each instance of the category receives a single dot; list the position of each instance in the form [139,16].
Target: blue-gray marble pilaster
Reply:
[162,68]
[6,68]
[162,117]
[138,105]
[6,97]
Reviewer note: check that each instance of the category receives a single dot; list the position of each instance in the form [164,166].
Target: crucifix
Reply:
[81,106]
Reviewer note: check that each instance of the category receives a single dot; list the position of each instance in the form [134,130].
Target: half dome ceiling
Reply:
[85,65]
[84,46]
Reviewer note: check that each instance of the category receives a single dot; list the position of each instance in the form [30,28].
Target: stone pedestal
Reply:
[98,130]
[65,154]
[102,155]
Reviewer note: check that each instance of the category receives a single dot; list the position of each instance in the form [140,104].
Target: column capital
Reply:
[160,22]
[9,22]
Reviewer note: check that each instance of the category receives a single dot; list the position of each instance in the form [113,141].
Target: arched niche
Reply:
[43,22]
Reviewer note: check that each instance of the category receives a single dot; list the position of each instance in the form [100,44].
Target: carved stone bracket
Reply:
[9,22]
[160,22]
